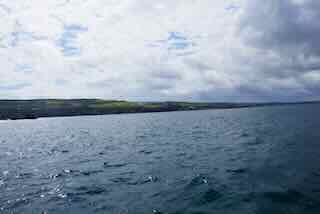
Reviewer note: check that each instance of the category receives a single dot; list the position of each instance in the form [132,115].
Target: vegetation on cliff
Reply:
[30,109]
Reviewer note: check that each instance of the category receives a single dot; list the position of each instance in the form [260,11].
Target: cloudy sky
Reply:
[199,50]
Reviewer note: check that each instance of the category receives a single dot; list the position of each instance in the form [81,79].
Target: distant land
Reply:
[32,109]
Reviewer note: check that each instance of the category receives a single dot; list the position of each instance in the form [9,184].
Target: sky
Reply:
[142,50]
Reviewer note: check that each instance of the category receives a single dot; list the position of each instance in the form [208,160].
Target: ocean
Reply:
[245,161]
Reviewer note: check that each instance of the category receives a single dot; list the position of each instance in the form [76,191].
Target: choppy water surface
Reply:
[259,160]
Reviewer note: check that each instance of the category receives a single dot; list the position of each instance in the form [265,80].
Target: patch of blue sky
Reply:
[232,8]
[176,36]
[175,41]
[24,68]
[14,38]
[68,40]
[14,86]
[61,82]
[180,45]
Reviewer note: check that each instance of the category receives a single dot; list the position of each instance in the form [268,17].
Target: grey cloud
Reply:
[198,65]
[283,26]
[100,84]
[158,85]
[5,8]
[285,34]
[64,3]
[107,83]
[165,74]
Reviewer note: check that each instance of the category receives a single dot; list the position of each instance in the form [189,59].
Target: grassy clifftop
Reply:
[30,109]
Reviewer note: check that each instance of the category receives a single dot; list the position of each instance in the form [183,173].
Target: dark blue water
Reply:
[258,160]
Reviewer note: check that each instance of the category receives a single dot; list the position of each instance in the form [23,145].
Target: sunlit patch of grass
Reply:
[114,105]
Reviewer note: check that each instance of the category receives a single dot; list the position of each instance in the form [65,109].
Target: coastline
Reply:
[33,109]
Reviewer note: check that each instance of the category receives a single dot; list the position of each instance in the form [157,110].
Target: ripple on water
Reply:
[238,171]
[15,204]
[290,197]
[145,180]
[24,175]
[210,196]
[196,181]
[124,180]
[116,165]
[71,172]
[88,190]
[63,173]
[317,174]
[90,172]
[244,135]
[147,152]
[255,141]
